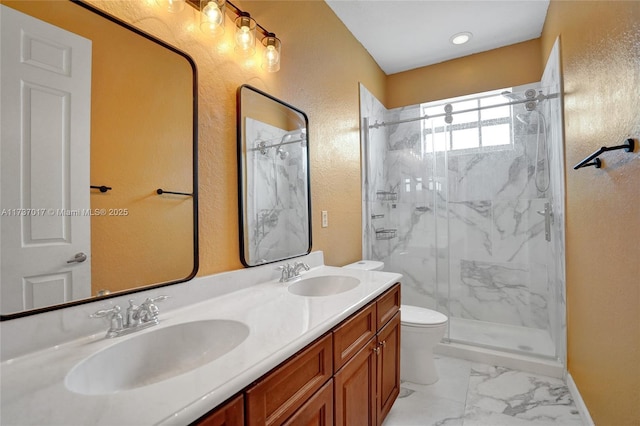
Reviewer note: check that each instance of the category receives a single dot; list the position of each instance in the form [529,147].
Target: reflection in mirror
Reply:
[95,120]
[273,178]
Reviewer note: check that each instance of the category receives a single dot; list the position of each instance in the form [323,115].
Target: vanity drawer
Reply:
[350,336]
[229,414]
[317,411]
[279,394]
[388,304]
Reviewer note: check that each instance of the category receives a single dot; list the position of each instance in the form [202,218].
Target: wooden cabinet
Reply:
[283,391]
[348,377]
[229,414]
[368,384]
[352,334]
[318,411]
[388,380]
[355,389]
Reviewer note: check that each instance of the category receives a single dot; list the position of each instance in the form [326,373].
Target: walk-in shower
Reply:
[458,197]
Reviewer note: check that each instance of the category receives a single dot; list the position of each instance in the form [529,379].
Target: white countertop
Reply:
[33,391]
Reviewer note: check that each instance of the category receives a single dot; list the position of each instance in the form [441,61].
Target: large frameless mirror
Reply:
[273,178]
[98,161]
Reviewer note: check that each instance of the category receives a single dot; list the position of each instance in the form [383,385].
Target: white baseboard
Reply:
[577,399]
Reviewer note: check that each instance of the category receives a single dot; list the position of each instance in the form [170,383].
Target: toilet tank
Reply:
[366,265]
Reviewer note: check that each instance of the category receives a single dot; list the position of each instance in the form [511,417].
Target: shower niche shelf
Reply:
[386,234]
[387,196]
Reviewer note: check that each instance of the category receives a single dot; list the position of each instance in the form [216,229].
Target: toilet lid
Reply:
[416,316]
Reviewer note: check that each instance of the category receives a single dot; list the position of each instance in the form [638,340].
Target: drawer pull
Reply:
[376,350]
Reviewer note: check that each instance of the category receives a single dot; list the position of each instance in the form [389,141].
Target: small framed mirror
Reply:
[273,178]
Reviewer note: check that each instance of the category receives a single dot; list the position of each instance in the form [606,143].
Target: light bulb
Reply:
[245,34]
[271,55]
[244,37]
[212,20]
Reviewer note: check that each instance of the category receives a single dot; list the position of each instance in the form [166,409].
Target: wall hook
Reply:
[628,146]
[160,191]
[102,188]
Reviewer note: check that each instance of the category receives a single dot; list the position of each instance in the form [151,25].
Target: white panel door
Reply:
[44,158]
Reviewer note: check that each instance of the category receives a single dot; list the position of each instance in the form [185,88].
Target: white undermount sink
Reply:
[155,355]
[324,285]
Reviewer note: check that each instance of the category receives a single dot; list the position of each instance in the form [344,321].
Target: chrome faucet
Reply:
[291,272]
[136,317]
[298,266]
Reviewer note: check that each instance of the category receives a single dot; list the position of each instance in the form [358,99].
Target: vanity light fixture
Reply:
[212,16]
[271,55]
[461,38]
[212,22]
[245,34]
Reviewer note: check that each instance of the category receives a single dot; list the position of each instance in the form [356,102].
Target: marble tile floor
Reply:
[474,394]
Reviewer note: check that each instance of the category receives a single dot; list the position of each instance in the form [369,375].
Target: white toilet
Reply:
[421,329]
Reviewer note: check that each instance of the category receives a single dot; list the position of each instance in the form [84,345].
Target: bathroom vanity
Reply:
[278,357]
[349,376]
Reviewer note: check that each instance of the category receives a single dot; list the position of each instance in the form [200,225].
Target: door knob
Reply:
[78,258]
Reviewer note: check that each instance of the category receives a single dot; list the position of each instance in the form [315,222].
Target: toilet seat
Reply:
[414,316]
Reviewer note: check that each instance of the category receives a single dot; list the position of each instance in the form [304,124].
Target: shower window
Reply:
[487,125]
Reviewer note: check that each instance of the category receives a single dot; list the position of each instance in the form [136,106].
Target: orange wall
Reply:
[600,45]
[504,67]
[322,65]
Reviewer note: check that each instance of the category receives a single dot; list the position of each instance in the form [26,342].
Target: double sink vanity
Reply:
[277,350]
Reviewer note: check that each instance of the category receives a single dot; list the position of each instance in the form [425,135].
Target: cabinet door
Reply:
[230,414]
[355,389]
[318,411]
[388,380]
[279,394]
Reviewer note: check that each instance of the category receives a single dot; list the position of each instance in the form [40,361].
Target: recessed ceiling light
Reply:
[461,38]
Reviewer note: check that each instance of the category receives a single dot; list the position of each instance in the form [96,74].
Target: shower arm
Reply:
[425,117]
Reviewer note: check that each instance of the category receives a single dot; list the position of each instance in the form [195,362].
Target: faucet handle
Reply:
[286,272]
[149,310]
[158,298]
[106,312]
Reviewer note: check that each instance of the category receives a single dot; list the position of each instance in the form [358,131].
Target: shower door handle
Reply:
[548,219]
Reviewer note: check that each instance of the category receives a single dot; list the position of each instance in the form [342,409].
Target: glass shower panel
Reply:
[497,268]
[453,205]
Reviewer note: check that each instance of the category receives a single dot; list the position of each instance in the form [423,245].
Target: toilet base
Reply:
[418,366]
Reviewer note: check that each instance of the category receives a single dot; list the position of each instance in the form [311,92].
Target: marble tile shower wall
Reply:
[469,240]
[275,193]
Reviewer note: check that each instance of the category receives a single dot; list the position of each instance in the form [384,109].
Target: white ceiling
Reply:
[402,35]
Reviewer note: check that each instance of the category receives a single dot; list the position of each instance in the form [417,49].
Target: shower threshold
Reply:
[527,349]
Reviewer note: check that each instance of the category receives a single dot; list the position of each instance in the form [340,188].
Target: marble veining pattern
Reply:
[474,394]
[470,240]
[276,193]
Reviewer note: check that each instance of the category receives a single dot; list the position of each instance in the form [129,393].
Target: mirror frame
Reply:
[242,168]
[196,257]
